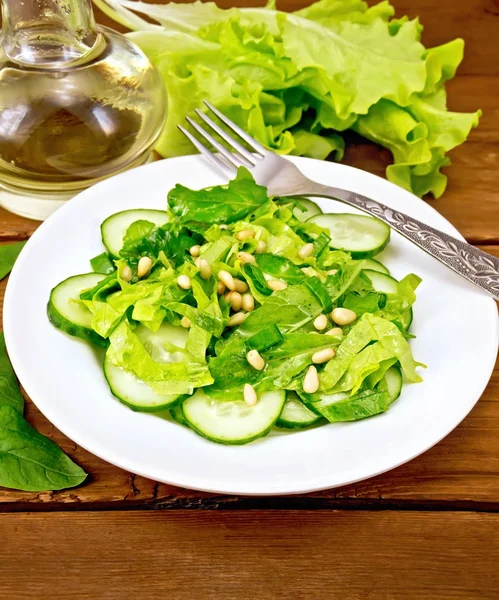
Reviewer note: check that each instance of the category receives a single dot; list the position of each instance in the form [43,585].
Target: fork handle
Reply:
[473,264]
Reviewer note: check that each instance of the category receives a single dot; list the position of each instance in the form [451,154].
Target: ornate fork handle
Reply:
[477,266]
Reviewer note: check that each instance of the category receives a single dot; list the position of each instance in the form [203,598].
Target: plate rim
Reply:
[72,433]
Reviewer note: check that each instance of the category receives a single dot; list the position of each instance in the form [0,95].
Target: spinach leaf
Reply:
[143,239]
[264,339]
[289,309]
[219,204]
[102,264]
[279,267]
[8,256]
[29,461]
[10,394]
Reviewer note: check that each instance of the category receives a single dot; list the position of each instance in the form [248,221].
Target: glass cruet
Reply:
[78,103]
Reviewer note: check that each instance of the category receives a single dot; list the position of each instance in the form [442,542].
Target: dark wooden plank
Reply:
[250,555]
[462,470]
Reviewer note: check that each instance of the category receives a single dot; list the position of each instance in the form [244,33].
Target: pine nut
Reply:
[195,250]
[334,331]
[246,257]
[220,288]
[184,282]
[306,250]
[332,271]
[249,394]
[255,360]
[343,316]
[245,234]
[241,286]
[144,266]
[236,301]
[320,322]
[236,319]
[226,278]
[311,381]
[204,268]
[185,322]
[248,303]
[223,226]
[322,356]
[261,247]
[276,285]
[126,273]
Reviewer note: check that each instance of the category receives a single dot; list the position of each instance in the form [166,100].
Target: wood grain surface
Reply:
[428,530]
[250,555]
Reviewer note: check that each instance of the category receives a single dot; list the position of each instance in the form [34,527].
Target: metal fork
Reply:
[282,178]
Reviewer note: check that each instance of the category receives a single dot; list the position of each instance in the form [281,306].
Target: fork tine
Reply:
[227,138]
[240,132]
[234,159]
[214,160]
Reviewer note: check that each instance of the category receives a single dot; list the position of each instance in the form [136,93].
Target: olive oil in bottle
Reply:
[78,103]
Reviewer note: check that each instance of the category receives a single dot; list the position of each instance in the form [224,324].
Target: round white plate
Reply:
[456,327]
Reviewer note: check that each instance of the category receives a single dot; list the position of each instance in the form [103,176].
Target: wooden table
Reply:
[427,530]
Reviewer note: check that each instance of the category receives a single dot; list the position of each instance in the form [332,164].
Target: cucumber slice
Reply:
[154,342]
[386,284]
[67,313]
[232,421]
[393,382]
[295,415]
[383,283]
[134,392]
[362,236]
[374,265]
[178,416]
[113,229]
[311,209]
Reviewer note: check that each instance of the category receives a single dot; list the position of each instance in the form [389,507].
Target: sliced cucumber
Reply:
[310,209]
[385,284]
[134,392]
[362,236]
[178,416]
[232,421]
[393,382]
[295,415]
[67,312]
[374,265]
[154,342]
[113,229]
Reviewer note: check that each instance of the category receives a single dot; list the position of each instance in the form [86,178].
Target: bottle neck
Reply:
[41,32]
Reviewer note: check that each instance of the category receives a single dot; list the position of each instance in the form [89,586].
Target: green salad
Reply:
[237,313]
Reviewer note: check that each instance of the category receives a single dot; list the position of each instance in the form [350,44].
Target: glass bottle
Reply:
[78,103]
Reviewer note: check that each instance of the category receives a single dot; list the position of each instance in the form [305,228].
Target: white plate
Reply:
[455,324]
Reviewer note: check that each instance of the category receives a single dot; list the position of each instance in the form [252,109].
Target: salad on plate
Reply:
[235,312]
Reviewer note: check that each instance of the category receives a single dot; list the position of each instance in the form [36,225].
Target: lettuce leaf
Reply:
[357,356]
[296,81]
[127,351]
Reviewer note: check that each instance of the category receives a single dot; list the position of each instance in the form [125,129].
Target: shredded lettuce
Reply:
[280,324]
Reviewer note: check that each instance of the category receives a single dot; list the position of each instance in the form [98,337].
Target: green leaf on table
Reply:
[10,395]
[8,256]
[31,462]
